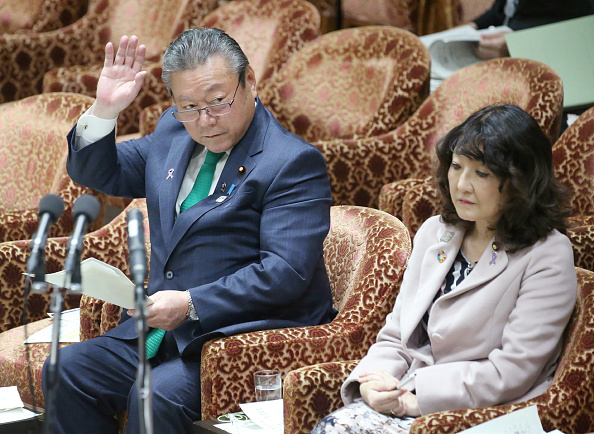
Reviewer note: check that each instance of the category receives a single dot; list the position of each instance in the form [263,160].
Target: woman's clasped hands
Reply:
[378,389]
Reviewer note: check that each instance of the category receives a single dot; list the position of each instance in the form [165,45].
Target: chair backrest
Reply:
[573,160]
[396,13]
[365,251]
[33,146]
[268,31]
[109,244]
[350,83]
[25,16]
[531,85]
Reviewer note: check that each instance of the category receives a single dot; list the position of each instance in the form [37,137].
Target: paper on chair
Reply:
[525,421]
[11,406]
[266,414]
[102,281]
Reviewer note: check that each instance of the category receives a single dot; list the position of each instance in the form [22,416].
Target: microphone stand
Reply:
[143,376]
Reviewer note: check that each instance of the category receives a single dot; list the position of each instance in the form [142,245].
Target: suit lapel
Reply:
[178,159]
[238,167]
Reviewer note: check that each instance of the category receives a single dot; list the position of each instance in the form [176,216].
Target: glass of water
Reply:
[268,385]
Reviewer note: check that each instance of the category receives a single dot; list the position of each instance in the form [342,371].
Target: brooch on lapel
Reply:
[446,237]
[441,256]
[494,256]
[170,174]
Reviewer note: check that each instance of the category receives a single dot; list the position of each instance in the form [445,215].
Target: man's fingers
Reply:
[139,58]
[120,57]
[109,50]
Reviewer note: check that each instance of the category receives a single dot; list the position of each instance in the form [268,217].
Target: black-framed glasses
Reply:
[213,110]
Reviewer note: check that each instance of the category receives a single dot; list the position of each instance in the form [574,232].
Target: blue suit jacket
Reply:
[252,260]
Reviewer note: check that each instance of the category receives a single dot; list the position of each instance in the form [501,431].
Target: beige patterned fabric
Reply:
[396,13]
[268,31]
[27,16]
[170,17]
[108,244]
[366,165]
[568,405]
[351,83]
[366,252]
[313,392]
[33,152]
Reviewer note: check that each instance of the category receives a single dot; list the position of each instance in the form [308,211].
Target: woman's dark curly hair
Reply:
[512,145]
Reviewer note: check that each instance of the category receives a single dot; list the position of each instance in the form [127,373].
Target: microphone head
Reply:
[53,205]
[86,205]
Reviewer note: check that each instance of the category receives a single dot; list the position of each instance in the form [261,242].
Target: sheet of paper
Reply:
[16,414]
[525,421]
[266,414]
[102,281]
[69,329]
[10,398]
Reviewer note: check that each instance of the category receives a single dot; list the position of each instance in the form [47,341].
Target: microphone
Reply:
[136,247]
[51,207]
[85,209]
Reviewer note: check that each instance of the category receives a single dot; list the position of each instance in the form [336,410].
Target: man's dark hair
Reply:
[193,47]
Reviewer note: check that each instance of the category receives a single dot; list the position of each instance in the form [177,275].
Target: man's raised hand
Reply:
[121,78]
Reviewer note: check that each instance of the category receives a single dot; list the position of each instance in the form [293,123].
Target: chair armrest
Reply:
[312,392]
[228,363]
[582,240]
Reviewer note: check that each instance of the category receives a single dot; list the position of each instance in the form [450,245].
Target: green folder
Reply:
[567,47]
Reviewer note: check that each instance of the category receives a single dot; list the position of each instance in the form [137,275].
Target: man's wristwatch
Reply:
[191,313]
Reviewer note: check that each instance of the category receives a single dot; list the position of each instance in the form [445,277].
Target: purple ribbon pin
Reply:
[493,258]
[170,174]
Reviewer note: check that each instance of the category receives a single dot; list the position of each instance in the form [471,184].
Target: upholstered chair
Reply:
[268,31]
[408,151]
[35,16]
[400,13]
[351,83]
[33,152]
[108,244]
[171,16]
[27,58]
[366,252]
[312,392]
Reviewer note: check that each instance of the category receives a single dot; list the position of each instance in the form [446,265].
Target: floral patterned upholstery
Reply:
[568,405]
[268,31]
[83,78]
[396,13]
[41,123]
[108,244]
[26,16]
[408,151]
[366,252]
[350,83]
[312,392]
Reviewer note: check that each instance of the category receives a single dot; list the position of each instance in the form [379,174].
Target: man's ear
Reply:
[250,79]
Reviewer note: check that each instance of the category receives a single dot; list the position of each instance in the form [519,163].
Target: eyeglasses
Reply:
[213,110]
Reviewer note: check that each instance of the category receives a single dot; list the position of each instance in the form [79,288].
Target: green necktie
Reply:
[203,181]
[199,191]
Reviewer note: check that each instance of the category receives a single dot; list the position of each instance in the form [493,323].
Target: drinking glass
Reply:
[268,385]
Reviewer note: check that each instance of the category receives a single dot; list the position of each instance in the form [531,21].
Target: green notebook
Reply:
[567,47]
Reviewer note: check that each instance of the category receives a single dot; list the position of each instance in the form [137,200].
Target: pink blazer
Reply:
[494,339]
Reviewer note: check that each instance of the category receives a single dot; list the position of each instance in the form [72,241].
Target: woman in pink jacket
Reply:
[489,287]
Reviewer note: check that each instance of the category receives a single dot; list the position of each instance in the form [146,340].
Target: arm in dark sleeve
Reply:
[492,17]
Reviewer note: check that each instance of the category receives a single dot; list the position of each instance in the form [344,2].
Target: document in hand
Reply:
[102,281]
[453,49]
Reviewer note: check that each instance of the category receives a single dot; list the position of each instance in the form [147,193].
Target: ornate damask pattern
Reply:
[359,168]
[396,13]
[350,83]
[313,392]
[366,252]
[34,16]
[40,122]
[108,244]
[170,17]
[392,194]
[568,405]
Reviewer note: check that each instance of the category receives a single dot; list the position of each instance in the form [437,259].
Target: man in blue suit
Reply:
[248,256]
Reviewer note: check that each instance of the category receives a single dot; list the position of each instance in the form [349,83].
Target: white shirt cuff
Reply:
[90,128]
